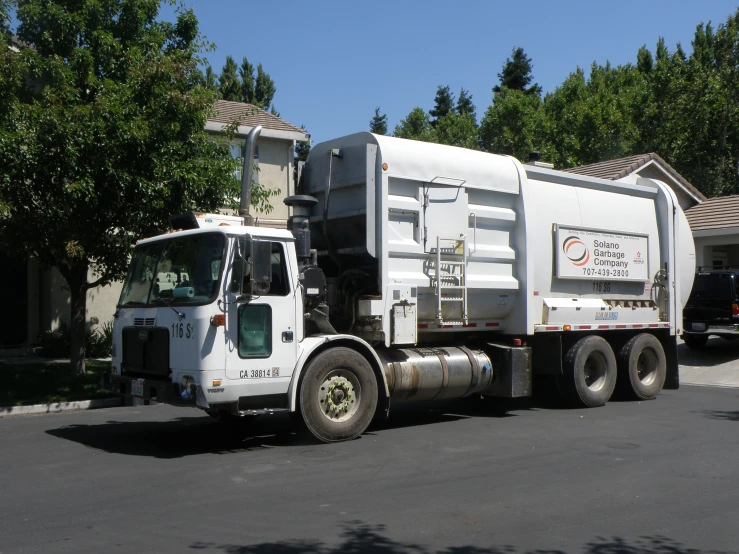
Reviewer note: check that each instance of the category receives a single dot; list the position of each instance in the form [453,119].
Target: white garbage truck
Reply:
[410,271]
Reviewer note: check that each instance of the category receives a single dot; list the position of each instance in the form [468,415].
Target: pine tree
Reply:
[378,124]
[516,74]
[228,82]
[464,104]
[443,104]
[246,72]
[265,89]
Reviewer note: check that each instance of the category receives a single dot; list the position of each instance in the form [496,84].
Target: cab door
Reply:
[261,330]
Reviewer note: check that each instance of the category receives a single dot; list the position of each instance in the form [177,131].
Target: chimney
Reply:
[534,158]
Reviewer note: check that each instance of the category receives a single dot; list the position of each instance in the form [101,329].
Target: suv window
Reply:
[713,286]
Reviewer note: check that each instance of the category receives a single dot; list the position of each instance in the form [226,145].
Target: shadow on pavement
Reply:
[360,538]
[721,415]
[190,436]
[718,351]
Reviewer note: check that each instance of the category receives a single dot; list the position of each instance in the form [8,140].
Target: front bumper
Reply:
[161,391]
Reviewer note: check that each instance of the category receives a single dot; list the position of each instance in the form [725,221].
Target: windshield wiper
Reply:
[170,306]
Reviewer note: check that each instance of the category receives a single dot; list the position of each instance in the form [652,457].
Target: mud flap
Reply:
[669,344]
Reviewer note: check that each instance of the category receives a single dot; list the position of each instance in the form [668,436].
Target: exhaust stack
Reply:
[247,174]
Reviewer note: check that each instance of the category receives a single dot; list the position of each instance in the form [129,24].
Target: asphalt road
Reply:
[629,478]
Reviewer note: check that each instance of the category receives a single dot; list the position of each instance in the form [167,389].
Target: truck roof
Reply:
[231,230]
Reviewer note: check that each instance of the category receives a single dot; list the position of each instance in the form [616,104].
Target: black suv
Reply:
[713,307]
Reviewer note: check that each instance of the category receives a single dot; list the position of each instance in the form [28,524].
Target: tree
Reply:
[228,82]
[458,130]
[102,138]
[516,73]
[378,124]
[443,104]
[210,79]
[246,72]
[265,89]
[512,124]
[465,105]
[415,126]
[4,22]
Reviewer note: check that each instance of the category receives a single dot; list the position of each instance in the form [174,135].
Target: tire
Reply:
[696,342]
[589,373]
[642,366]
[338,395]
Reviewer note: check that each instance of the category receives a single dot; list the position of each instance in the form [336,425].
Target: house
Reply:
[41,298]
[274,153]
[715,225]
[650,166]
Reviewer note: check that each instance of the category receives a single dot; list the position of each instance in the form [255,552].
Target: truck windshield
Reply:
[184,270]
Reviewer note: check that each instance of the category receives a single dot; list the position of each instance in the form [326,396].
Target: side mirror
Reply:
[239,265]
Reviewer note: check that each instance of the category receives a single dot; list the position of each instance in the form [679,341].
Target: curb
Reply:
[60,407]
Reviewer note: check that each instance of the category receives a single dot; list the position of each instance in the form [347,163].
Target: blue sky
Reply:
[333,62]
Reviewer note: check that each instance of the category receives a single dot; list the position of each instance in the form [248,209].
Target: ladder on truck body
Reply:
[446,278]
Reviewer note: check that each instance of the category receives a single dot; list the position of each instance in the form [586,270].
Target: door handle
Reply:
[287,336]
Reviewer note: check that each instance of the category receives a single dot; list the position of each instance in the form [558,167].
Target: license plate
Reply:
[699,326]
[137,388]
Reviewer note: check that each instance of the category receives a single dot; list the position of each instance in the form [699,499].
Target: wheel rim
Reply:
[339,395]
[646,366]
[595,371]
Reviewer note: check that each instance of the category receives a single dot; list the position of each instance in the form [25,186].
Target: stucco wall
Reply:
[653,172]
[705,247]
[55,300]
[275,172]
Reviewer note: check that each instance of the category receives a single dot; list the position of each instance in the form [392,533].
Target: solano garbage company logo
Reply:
[576,251]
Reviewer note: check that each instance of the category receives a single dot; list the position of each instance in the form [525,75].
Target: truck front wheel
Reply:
[642,365]
[338,395]
[589,372]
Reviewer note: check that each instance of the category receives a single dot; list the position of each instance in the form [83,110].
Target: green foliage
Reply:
[416,126]
[246,72]
[98,342]
[443,104]
[378,124]
[516,73]
[49,383]
[228,82]
[102,137]
[465,105]
[512,124]
[457,130]
[264,90]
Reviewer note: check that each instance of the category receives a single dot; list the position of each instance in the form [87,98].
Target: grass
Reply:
[51,383]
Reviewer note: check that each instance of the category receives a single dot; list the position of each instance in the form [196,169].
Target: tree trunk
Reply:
[76,277]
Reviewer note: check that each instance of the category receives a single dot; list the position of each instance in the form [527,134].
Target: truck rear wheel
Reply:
[642,366]
[696,342]
[589,372]
[338,395]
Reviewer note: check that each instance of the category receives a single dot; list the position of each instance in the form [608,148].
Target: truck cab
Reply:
[208,317]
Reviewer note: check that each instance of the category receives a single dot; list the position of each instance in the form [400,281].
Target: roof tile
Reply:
[621,167]
[249,115]
[714,213]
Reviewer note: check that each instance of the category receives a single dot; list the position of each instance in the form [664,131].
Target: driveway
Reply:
[717,365]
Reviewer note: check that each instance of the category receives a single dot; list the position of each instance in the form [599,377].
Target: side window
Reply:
[255,331]
[280,285]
